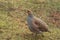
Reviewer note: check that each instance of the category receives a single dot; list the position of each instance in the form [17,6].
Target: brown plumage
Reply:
[35,24]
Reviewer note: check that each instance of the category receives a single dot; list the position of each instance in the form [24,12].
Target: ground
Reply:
[13,24]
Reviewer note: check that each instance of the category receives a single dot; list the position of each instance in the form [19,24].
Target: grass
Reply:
[13,25]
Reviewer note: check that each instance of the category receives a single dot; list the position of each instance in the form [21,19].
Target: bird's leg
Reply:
[35,36]
[42,35]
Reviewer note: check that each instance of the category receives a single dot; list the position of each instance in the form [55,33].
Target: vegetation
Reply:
[13,25]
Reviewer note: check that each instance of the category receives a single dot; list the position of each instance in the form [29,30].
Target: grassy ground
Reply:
[13,25]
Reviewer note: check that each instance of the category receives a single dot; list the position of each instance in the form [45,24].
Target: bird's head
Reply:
[29,12]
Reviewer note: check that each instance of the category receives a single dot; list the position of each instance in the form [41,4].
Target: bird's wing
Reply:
[40,23]
[35,26]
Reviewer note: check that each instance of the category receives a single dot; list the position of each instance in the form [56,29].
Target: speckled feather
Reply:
[36,24]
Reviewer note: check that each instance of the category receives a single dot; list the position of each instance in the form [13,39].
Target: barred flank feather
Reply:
[35,24]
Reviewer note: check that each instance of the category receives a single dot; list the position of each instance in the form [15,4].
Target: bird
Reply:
[35,24]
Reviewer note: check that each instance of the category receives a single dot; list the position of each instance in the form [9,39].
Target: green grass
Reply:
[13,25]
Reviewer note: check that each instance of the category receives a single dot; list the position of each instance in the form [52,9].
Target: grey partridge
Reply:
[35,24]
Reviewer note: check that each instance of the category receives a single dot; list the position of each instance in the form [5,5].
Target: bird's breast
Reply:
[29,21]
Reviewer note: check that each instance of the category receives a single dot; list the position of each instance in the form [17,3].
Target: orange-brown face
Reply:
[29,12]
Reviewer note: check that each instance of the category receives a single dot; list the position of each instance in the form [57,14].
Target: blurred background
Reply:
[13,25]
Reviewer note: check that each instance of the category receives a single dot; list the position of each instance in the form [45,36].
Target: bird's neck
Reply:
[30,15]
